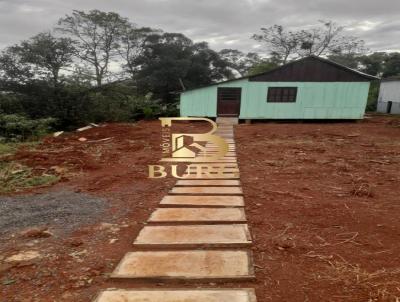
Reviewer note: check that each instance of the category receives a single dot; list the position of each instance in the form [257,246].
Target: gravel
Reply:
[64,210]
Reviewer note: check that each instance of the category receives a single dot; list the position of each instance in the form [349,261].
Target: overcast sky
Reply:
[222,23]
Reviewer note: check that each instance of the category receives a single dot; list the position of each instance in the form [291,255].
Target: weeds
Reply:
[16,177]
[11,148]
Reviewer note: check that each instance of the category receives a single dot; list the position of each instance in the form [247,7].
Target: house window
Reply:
[282,94]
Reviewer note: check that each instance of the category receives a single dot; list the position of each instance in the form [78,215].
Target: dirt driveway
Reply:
[322,202]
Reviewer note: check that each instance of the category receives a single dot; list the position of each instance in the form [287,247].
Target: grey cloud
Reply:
[223,23]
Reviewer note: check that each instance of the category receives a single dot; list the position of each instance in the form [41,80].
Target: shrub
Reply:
[15,127]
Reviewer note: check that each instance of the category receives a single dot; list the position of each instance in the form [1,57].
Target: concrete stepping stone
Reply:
[190,264]
[220,160]
[213,176]
[197,215]
[174,295]
[193,182]
[201,201]
[223,175]
[206,190]
[193,235]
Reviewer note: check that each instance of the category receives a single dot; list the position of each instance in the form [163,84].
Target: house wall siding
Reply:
[389,92]
[315,100]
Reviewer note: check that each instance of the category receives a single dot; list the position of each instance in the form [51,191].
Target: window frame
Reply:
[280,95]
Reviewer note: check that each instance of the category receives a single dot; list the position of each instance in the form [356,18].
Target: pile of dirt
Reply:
[87,150]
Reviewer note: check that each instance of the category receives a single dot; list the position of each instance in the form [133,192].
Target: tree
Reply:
[171,59]
[97,35]
[348,60]
[373,64]
[392,65]
[47,54]
[324,40]
[281,43]
[239,61]
[12,70]
[133,44]
[263,66]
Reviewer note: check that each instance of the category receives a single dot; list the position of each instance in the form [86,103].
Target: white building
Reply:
[389,96]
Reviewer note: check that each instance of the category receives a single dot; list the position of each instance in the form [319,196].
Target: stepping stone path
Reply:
[199,232]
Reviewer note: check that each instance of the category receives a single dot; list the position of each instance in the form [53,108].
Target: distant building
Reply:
[389,96]
[309,88]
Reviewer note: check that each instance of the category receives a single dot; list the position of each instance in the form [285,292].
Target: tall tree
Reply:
[392,65]
[373,64]
[239,61]
[281,43]
[97,35]
[12,69]
[326,39]
[48,54]
[133,44]
[171,59]
[42,57]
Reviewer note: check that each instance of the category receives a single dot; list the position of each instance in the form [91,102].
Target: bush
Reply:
[373,96]
[74,106]
[15,127]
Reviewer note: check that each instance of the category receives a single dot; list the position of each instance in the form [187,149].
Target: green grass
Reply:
[11,148]
[15,177]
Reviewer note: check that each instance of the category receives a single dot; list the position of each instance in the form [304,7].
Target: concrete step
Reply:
[227,120]
[207,190]
[187,265]
[177,295]
[236,235]
[201,201]
[196,215]
[221,182]
[213,176]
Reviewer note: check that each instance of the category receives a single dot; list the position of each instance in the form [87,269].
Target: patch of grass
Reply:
[15,177]
[11,148]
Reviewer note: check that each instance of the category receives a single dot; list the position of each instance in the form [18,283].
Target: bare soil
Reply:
[321,198]
[323,204]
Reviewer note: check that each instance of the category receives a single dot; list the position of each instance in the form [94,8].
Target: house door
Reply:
[228,101]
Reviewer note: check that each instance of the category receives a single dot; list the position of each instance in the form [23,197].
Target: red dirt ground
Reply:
[321,199]
[323,206]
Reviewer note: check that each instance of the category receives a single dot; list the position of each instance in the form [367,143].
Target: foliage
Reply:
[239,61]
[263,66]
[133,44]
[15,177]
[392,65]
[15,127]
[171,60]
[326,39]
[41,57]
[96,35]
[10,148]
[373,96]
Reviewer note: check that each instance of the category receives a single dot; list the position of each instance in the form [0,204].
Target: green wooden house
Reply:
[309,88]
